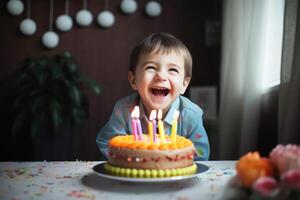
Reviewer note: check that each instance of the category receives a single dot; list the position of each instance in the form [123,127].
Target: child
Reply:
[160,71]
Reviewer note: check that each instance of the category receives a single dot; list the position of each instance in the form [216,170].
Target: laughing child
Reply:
[160,72]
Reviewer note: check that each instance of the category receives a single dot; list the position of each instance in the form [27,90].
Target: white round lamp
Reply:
[28,27]
[153,9]
[50,39]
[128,6]
[15,7]
[105,19]
[64,23]
[84,17]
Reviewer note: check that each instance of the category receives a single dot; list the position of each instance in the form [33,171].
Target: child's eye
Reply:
[150,67]
[174,70]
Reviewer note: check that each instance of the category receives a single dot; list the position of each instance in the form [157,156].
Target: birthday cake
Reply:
[145,159]
[151,155]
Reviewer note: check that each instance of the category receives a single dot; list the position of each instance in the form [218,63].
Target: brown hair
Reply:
[164,43]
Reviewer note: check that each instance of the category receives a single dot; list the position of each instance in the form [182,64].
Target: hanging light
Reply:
[128,6]
[64,22]
[50,39]
[28,26]
[84,17]
[15,7]
[106,18]
[153,9]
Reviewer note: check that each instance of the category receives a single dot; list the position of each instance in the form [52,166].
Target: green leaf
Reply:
[92,84]
[71,66]
[56,72]
[67,54]
[75,94]
[37,69]
[56,114]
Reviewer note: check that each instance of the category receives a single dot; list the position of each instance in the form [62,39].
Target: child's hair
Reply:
[165,43]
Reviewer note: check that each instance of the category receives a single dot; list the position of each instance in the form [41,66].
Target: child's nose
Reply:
[160,76]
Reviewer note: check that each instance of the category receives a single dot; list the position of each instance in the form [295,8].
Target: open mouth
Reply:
[160,91]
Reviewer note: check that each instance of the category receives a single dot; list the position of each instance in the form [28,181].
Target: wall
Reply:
[103,54]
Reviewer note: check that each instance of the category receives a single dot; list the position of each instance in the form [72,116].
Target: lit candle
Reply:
[160,124]
[154,126]
[174,126]
[133,125]
[151,126]
[138,122]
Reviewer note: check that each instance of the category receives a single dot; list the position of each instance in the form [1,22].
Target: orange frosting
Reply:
[127,141]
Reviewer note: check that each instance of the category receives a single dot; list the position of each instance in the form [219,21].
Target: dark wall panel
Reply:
[103,54]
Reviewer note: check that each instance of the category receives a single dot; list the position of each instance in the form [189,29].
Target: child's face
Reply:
[159,79]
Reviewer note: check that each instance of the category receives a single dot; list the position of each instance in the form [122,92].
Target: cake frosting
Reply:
[143,158]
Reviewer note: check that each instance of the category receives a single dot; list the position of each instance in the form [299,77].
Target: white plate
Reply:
[99,169]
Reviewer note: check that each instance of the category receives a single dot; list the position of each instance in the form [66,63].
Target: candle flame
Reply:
[152,115]
[159,114]
[176,115]
[137,114]
[134,113]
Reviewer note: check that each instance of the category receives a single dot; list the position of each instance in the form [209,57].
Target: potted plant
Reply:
[48,98]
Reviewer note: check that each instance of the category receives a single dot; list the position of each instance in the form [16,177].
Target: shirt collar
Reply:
[169,117]
[143,114]
[175,106]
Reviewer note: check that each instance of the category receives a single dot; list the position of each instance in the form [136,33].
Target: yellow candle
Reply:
[174,126]
[160,124]
[150,131]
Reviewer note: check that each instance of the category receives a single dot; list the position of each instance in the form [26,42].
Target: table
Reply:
[76,180]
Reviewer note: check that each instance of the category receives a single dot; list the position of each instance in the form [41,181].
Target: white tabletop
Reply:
[77,180]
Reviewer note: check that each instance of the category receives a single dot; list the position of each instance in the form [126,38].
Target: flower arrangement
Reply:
[273,177]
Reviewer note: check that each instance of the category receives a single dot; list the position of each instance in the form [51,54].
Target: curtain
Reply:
[245,54]
[289,94]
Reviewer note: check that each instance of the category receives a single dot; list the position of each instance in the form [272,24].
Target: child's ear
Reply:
[131,80]
[186,83]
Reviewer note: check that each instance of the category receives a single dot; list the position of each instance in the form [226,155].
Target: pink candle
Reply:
[134,125]
[154,126]
[138,122]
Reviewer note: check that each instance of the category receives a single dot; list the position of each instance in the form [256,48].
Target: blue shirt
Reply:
[190,124]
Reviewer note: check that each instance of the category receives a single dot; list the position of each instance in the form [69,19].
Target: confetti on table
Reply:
[81,194]
[76,180]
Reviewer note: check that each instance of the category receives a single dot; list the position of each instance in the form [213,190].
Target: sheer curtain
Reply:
[249,27]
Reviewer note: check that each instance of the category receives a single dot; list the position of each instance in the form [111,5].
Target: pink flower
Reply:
[291,179]
[286,157]
[266,186]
